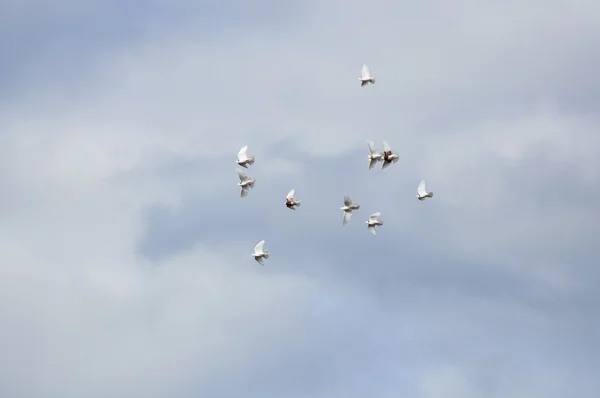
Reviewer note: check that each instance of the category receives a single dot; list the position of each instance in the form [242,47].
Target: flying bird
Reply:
[259,252]
[374,156]
[290,202]
[373,222]
[422,193]
[348,207]
[389,157]
[243,159]
[365,76]
[245,183]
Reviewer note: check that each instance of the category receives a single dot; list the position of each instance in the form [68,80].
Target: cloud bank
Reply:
[125,250]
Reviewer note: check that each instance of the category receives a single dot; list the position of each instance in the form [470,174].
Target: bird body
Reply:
[374,156]
[373,222]
[245,183]
[260,253]
[243,159]
[348,208]
[422,193]
[290,202]
[389,157]
[365,76]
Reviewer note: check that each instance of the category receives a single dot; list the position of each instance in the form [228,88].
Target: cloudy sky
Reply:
[125,267]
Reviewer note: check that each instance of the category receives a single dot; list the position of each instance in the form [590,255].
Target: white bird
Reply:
[422,193]
[389,157]
[290,202]
[243,159]
[245,183]
[348,207]
[365,76]
[259,252]
[374,156]
[373,222]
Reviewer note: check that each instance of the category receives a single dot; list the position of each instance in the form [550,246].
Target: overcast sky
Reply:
[125,250]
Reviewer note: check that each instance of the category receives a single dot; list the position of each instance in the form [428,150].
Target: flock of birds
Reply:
[387,158]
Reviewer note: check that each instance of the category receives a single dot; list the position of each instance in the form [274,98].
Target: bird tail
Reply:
[251,160]
[430,194]
[298,203]
[266,255]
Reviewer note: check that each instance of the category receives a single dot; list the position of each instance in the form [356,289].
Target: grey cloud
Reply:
[128,273]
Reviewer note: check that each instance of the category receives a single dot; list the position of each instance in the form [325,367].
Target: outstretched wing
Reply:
[371,146]
[386,146]
[242,175]
[244,192]
[372,163]
[291,194]
[385,165]
[421,189]
[347,201]
[374,216]
[259,260]
[347,217]
[258,249]
[372,229]
[242,153]
[364,72]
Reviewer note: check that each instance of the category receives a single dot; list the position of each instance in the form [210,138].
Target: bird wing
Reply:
[386,146]
[291,194]
[347,216]
[259,260]
[242,175]
[372,163]
[242,152]
[258,249]
[372,229]
[347,201]
[364,83]
[371,146]
[364,72]
[385,165]
[244,192]
[421,189]
[374,216]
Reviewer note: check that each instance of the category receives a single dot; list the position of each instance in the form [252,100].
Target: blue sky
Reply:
[125,248]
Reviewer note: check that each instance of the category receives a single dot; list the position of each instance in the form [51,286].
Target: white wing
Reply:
[421,189]
[374,216]
[291,194]
[347,217]
[244,192]
[258,249]
[386,146]
[385,165]
[364,72]
[242,175]
[372,229]
[242,153]
[347,201]
[372,163]
[371,146]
